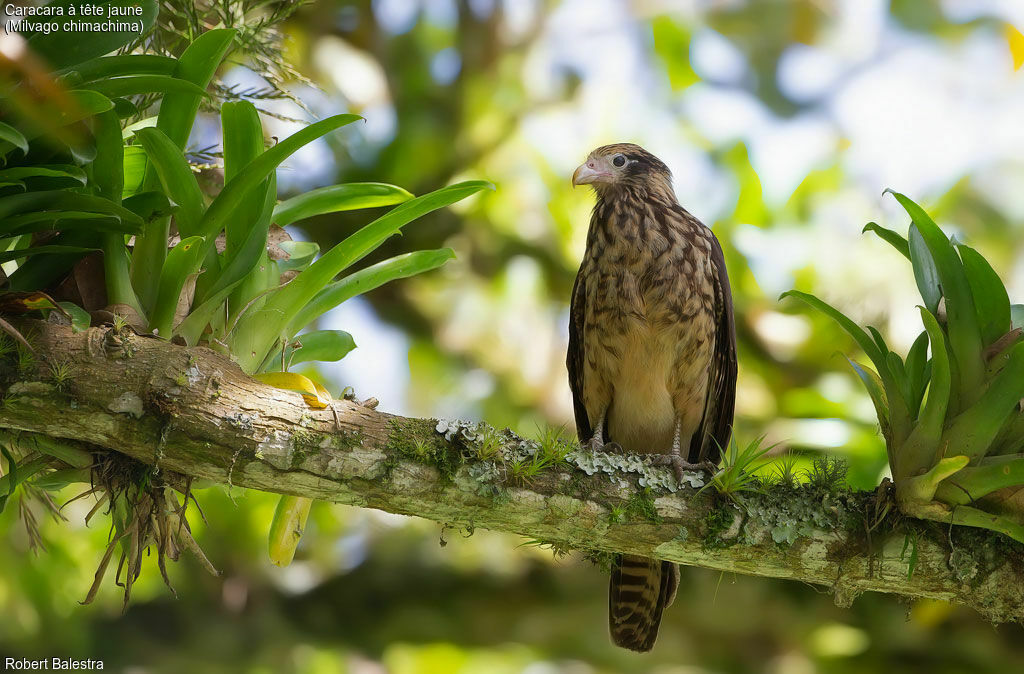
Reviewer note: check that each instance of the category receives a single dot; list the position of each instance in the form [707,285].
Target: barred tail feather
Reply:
[640,589]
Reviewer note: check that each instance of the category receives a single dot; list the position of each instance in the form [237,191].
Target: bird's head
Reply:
[624,167]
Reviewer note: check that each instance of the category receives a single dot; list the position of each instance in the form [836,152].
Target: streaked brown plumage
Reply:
[652,349]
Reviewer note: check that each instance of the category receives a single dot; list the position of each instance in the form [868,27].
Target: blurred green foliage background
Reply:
[783,122]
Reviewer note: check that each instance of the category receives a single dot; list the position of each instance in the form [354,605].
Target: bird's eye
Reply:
[619,160]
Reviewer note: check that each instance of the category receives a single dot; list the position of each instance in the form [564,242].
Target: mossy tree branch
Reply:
[192,412]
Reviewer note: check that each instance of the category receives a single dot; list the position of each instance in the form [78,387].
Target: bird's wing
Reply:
[574,358]
[712,437]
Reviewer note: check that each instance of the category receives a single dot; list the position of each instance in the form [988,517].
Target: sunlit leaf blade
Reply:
[917,369]
[337,198]
[365,280]
[918,452]
[135,164]
[176,177]
[181,262]
[890,237]
[318,345]
[961,317]
[258,169]
[257,332]
[925,274]
[197,64]
[990,299]
[243,142]
[214,296]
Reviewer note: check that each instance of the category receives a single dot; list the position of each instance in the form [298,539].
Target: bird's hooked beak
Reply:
[589,172]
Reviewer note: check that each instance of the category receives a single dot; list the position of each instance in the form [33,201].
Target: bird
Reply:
[652,350]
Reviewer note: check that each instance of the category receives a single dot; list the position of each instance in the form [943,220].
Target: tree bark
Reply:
[193,412]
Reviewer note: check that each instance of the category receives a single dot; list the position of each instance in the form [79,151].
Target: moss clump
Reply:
[716,523]
[416,439]
[640,506]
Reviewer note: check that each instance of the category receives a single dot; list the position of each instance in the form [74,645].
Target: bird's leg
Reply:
[675,458]
[597,439]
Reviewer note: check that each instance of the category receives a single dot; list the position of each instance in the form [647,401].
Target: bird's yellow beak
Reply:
[587,173]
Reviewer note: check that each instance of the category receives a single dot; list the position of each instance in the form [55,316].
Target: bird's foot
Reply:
[599,445]
[680,465]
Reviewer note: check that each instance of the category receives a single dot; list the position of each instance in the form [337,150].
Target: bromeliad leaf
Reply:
[176,177]
[337,198]
[258,331]
[365,280]
[866,343]
[990,299]
[925,273]
[321,345]
[890,237]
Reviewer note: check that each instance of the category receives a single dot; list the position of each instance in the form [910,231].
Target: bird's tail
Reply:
[640,589]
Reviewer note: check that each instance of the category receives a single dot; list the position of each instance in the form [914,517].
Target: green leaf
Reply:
[80,318]
[873,384]
[258,331]
[9,255]
[197,64]
[961,317]
[176,177]
[135,164]
[257,170]
[890,237]
[72,173]
[337,198]
[300,255]
[63,48]
[925,273]
[11,135]
[973,431]
[318,345]
[133,85]
[181,262]
[866,343]
[990,299]
[124,64]
[917,372]
[240,265]
[243,142]
[365,280]
[919,451]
